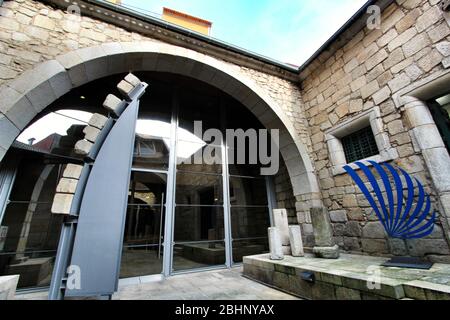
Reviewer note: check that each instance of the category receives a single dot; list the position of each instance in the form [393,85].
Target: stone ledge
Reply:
[8,285]
[348,278]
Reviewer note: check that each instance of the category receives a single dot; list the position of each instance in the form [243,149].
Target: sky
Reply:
[286,30]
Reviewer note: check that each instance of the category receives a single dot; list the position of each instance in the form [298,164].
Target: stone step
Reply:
[350,277]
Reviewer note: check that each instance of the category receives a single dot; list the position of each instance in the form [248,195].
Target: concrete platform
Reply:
[351,277]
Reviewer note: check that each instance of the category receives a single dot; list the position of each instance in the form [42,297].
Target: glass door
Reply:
[143,239]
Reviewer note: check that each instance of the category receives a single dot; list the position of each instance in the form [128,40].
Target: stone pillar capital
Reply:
[410,102]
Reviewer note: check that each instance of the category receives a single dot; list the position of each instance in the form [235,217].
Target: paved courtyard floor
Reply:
[209,285]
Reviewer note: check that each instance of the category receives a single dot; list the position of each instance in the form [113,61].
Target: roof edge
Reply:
[354,19]
[196,35]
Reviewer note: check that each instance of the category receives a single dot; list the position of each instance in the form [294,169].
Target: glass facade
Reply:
[181,214]
[29,231]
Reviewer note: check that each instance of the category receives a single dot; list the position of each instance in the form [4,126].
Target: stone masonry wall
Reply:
[32,32]
[413,43]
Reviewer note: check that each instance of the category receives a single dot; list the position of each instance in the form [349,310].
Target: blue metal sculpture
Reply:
[399,217]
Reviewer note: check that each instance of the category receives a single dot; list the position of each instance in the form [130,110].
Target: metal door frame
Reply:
[150,277]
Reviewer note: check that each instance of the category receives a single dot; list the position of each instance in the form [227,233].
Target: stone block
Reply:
[280,220]
[338,216]
[437,162]
[8,132]
[62,203]
[402,39]
[382,95]
[373,230]
[125,87]
[432,291]
[414,292]
[416,44]
[16,107]
[286,250]
[78,75]
[41,96]
[353,229]
[72,171]
[98,121]
[369,89]
[423,247]
[83,147]
[66,185]
[428,137]
[61,84]
[327,252]
[132,79]
[323,231]
[444,48]
[323,291]
[34,77]
[96,69]
[399,82]
[112,103]
[343,293]
[44,22]
[8,286]
[91,133]
[429,18]
[446,63]
[295,237]
[300,287]
[377,246]
[276,248]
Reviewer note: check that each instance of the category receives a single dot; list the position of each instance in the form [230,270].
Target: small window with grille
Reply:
[360,145]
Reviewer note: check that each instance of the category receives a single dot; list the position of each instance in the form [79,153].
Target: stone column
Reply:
[295,237]
[323,234]
[280,220]
[276,249]
[427,138]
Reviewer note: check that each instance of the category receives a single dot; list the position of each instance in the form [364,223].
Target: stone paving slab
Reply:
[349,277]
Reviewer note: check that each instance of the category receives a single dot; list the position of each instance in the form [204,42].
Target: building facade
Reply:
[380,94]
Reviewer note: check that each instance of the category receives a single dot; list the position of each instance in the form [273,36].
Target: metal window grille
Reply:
[360,145]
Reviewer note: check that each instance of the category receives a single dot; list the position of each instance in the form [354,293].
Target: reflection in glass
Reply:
[199,189]
[190,256]
[206,158]
[34,267]
[249,247]
[249,222]
[29,232]
[56,132]
[152,144]
[144,225]
[198,223]
[248,191]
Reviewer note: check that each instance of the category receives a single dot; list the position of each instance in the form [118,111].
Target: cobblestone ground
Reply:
[211,285]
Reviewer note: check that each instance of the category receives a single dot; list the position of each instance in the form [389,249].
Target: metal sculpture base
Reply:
[408,263]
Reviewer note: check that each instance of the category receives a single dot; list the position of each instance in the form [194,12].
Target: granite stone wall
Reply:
[412,44]
[366,73]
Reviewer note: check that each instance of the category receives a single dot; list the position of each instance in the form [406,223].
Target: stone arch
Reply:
[26,96]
